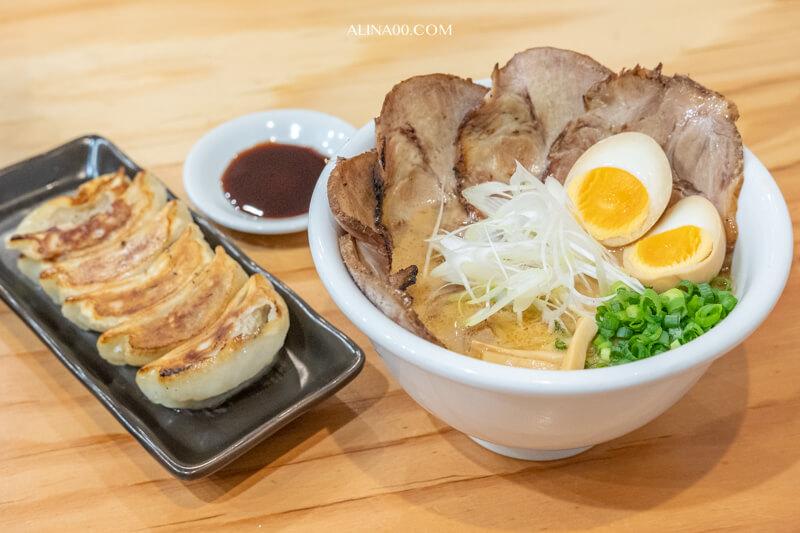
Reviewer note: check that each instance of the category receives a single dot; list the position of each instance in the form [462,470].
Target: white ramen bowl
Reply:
[545,414]
[211,155]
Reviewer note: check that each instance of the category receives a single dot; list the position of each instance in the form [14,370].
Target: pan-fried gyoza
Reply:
[233,350]
[122,260]
[154,331]
[113,304]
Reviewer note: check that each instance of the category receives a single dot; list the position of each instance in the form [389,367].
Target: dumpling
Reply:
[236,349]
[114,303]
[126,256]
[142,201]
[186,313]
[101,208]
[68,223]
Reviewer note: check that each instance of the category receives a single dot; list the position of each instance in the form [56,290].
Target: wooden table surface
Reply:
[154,75]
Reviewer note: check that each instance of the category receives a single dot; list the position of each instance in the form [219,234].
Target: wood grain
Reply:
[155,75]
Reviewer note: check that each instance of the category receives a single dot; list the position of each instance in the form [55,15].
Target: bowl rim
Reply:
[193,175]
[762,294]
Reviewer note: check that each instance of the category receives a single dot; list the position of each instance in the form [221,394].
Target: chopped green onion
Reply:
[695,303]
[560,344]
[640,350]
[610,321]
[599,340]
[672,294]
[635,326]
[634,312]
[606,332]
[672,320]
[720,282]
[686,286]
[617,286]
[659,348]
[619,350]
[727,300]
[691,332]
[708,315]
[706,292]
[678,307]
[651,305]
[664,339]
[652,332]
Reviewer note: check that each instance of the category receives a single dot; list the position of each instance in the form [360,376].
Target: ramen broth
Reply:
[445,308]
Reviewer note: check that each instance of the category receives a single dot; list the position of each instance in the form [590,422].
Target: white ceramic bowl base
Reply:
[531,455]
[537,427]
[540,414]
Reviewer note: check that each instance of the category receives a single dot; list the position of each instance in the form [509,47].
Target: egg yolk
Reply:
[611,201]
[675,247]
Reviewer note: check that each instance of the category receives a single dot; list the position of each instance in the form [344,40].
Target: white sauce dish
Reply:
[210,156]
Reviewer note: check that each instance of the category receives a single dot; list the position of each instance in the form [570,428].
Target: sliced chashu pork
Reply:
[154,331]
[391,201]
[354,193]
[694,125]
[387,292]
[118,300]
[533,97]
[416,135]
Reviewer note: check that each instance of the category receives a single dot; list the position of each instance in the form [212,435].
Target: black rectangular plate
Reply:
[315,362]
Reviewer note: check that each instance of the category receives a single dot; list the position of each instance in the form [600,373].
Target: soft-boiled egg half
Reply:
[620,187]
[687,243]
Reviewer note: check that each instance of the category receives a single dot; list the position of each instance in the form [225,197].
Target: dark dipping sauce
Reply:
[273,180]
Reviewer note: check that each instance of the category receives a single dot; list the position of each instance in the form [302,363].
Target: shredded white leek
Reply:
[529,251]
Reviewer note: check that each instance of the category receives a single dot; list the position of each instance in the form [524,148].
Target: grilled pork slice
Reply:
[355,196]
[184,314]
[233,351]
[141,201]
[389,202]
[533,97]
[416,138]
[695,126]
[114,303]
[69,223]
[127,256]
[387,293]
